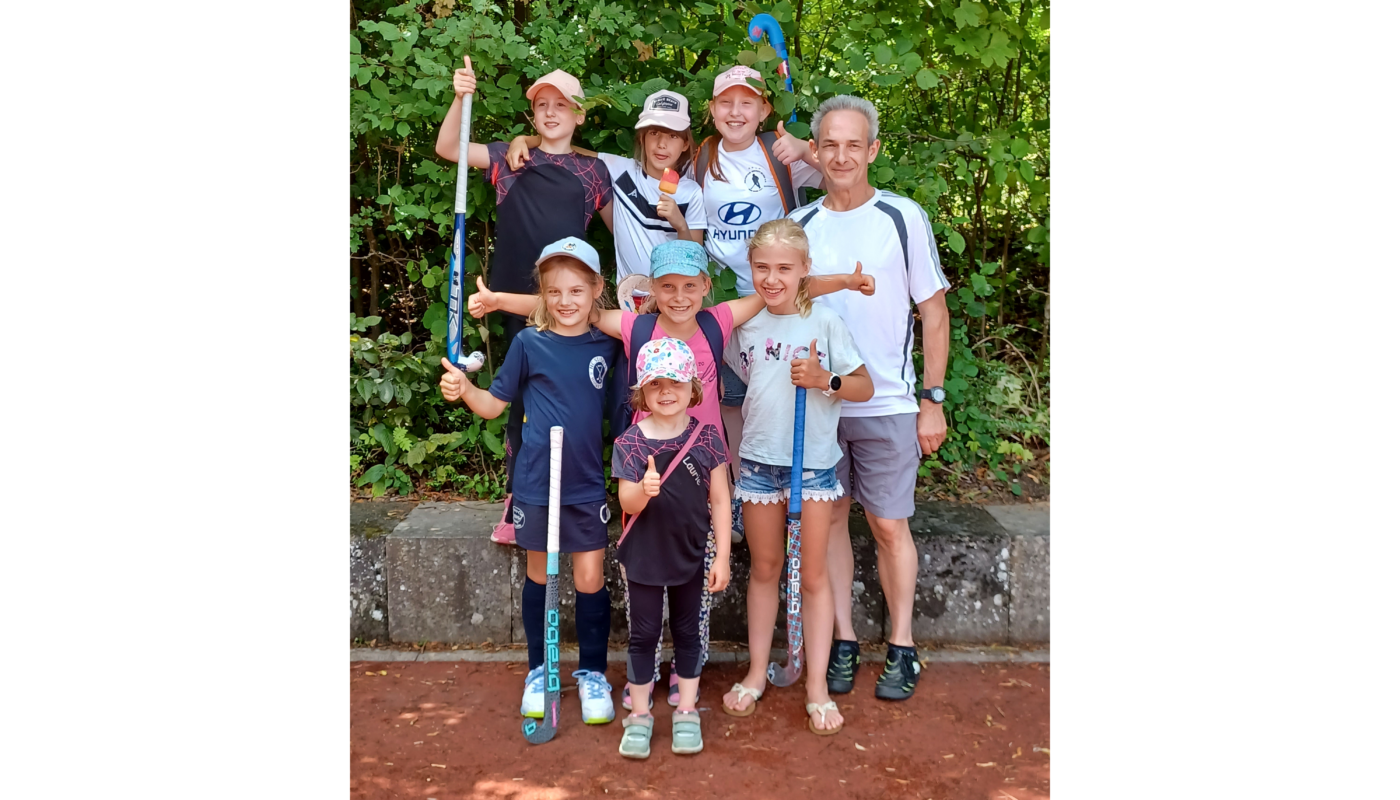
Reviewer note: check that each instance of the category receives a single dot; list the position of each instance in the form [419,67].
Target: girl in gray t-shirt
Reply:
[773,353]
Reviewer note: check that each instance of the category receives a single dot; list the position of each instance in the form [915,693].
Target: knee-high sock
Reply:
[593,619]
[532,614]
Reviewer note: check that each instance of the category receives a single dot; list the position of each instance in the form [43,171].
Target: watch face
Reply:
[938,394]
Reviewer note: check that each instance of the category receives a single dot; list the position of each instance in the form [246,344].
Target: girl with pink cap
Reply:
[552,198]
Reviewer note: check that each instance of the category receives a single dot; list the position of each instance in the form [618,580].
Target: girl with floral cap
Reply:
[674,491]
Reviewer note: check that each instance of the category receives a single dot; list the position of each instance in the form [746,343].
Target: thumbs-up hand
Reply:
[482,301]
[807,373]
[651,481]
[860,282]
[464,80]
[789,148]
[453,382]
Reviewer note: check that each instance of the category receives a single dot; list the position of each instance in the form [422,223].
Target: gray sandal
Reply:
[636,736]
[685,732]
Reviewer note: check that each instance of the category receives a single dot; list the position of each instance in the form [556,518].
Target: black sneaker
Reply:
[841,669]
[901,675]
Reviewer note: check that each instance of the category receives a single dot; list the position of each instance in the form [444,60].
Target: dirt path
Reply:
[452,730]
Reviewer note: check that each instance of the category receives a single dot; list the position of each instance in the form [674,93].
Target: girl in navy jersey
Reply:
[556,371]
[553,197]
[672,484]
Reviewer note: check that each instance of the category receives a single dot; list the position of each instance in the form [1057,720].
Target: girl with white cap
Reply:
[556,370]
[552,198]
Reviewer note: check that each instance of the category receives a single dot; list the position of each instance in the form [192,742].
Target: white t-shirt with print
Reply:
[636,226]
[761,352]
[891,237]
[747,198]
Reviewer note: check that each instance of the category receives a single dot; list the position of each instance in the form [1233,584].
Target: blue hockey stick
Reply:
[765,24]
[457,277]
[779,674]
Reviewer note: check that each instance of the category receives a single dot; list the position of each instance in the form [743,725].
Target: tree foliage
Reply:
[963,94]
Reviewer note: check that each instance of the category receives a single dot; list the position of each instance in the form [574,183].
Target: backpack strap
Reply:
[710,327]
[642,329]
[782,174]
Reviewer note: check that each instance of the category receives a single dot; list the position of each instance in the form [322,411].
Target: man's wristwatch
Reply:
[936,394]
[833,385]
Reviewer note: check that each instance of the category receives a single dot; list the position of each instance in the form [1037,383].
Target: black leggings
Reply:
[646,627]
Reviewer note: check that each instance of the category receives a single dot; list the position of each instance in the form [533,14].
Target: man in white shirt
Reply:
[882,439]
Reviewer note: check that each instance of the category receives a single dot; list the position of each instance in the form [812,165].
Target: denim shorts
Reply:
[768,483]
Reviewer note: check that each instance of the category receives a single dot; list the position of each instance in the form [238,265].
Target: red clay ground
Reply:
[451,730]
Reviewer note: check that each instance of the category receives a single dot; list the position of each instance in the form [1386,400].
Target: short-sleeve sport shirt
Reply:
[891,237]
[549,198]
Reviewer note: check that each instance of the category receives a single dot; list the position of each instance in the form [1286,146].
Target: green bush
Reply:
[963,93]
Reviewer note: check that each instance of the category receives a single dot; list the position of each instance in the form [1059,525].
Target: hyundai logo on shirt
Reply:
[739,213]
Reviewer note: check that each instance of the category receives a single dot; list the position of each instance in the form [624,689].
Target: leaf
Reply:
[926,78]
[416,455]
[767,53]
[884,175]
[371,475]
[968,14]
[644,51]
[379,89]
[883,54]
[386,391]
[365,388]
[956,241]
[1027,171]
[492,443]
[747,57]
[402,128]
[1016,489]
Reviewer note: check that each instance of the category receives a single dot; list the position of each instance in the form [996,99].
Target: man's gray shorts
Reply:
[886,455]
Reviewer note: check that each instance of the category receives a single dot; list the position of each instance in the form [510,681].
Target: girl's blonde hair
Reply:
[697,393]
[540,317]
[784,232]
[649,306]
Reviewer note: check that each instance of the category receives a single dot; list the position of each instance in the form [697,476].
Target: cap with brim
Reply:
[679,257]
[665,109]
[567,85]
[738,76]
[573,247]
[665,358]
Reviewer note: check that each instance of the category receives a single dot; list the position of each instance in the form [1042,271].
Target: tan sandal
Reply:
[829,705]
[743,690]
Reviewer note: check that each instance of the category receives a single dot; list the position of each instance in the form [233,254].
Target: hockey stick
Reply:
[543,730]
[764,23]
[457,277]
[779,674]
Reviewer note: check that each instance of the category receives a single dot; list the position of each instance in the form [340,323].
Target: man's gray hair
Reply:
[847,102]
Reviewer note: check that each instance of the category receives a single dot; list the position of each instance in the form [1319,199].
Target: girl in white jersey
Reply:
[741,182]
[649,210]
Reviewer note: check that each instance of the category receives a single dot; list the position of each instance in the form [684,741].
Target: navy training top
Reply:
[562,380]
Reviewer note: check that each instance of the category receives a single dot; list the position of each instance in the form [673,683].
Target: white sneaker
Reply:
[532,704]
[595,695]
